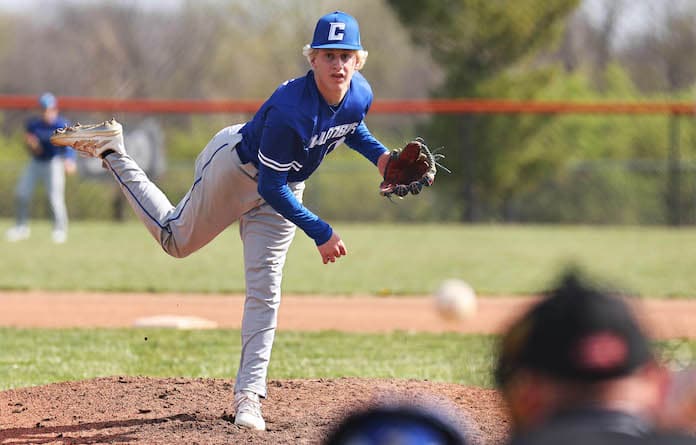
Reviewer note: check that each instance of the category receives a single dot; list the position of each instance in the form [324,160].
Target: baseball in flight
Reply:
[455,300]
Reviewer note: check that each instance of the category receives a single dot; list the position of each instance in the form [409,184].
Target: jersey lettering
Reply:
[336,30]
[335,144]
[338,131]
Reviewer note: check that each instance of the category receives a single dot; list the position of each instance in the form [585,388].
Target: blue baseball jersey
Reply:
[292,133]
[43,131]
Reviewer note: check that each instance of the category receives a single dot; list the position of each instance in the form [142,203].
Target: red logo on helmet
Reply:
[602,351]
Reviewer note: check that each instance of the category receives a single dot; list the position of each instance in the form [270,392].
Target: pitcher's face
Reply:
[333,71]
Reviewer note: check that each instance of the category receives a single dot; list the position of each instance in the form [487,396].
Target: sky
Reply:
[28,5]
[19,5]
[637,14]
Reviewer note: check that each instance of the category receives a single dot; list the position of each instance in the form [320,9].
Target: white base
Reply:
[175,321]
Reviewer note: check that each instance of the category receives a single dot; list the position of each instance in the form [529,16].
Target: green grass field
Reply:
[31,357]
[383,259]
[39,356]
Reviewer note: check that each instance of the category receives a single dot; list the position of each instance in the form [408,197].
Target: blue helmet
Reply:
[337,30]
[47,100]
[400,424]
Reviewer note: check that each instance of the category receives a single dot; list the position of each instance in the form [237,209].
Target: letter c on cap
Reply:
[336,30]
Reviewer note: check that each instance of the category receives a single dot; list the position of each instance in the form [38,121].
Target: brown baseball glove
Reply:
[409,170]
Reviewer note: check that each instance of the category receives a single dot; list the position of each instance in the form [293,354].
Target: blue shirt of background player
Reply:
[291,134]
[43,131]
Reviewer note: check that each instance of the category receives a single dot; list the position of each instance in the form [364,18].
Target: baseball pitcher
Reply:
[254,173]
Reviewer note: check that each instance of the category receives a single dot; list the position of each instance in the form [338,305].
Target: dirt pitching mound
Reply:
[198,411]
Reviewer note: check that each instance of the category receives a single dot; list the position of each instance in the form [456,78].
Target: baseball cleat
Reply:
[96,140]
[18,233]
[247,411]
[59,236]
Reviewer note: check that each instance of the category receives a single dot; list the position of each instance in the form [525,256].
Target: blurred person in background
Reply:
[255,173]
[398,424]
[577,368]
[49,164]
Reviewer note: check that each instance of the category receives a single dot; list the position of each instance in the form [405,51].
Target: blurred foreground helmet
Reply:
[400,425]
[578,332]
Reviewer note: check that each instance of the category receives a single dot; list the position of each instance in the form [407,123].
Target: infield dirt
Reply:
[142,410]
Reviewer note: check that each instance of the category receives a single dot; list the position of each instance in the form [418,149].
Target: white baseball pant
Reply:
[224,191]
[52,174]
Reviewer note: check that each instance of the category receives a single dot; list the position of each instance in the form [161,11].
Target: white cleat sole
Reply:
[251,422]
[91,140]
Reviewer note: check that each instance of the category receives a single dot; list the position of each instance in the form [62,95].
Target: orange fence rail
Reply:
[386,106]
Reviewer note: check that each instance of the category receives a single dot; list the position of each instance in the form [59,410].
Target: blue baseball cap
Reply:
[337,30]
[47,100]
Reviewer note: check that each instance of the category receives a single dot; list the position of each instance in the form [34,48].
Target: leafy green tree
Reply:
[487,49]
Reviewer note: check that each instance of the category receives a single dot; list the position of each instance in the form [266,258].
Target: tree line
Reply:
[523,49]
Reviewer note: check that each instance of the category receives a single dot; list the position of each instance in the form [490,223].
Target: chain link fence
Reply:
[573,168]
